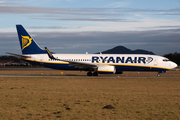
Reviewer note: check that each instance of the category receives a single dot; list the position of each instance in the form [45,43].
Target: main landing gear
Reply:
[92,74]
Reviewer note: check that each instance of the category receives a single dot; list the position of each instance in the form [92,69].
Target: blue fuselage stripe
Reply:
[119,67]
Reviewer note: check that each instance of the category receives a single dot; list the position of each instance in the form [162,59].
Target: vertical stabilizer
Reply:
[27,43]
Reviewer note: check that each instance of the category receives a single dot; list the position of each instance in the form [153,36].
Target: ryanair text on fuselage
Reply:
[106,59]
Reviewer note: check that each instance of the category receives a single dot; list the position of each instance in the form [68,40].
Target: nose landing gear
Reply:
[160,72]
[158,75]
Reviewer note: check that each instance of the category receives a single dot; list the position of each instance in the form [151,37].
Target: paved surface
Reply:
[6,68]
[80,76]
[61,76]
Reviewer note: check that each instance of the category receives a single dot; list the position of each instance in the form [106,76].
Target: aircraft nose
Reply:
[174,65]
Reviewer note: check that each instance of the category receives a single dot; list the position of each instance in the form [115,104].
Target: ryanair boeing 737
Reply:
[94,64]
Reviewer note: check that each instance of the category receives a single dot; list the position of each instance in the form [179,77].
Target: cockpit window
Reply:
[166,60]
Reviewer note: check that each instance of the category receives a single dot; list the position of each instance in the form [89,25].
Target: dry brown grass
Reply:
[84,98]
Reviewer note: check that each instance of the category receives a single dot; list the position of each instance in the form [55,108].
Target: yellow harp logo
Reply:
[26,41]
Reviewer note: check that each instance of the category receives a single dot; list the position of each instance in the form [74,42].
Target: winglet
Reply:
[49,53]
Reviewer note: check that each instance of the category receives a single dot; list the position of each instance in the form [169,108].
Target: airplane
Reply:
[94,64]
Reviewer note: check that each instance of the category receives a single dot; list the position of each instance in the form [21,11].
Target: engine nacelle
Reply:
[106,69]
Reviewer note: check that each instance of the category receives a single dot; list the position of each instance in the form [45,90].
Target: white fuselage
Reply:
[122,62]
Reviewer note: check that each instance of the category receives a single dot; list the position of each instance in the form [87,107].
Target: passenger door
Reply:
[155,61]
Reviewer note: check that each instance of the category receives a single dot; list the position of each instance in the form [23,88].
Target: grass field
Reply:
[85,98]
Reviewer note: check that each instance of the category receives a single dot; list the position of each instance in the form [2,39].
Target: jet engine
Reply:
[106,69]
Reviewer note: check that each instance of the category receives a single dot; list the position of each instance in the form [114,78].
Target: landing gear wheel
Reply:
[89,73]
[95,74]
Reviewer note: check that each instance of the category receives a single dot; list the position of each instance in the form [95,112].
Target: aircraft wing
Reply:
[81,64]
[73,63]
[21,56]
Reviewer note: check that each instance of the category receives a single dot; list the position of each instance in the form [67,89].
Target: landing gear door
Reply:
[155,61]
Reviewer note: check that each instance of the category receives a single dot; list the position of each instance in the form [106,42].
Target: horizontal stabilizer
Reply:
[17,55]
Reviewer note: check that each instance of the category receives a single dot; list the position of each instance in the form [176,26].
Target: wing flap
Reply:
[82,64]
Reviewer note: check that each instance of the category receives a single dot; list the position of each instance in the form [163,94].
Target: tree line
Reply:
[10,58]
[175,57]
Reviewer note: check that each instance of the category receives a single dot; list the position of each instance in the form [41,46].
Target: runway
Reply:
[80,76]
[45,72]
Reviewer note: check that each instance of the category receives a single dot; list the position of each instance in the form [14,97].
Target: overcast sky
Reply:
[79,26]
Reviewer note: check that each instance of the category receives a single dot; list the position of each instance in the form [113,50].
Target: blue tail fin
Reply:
[27,43]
